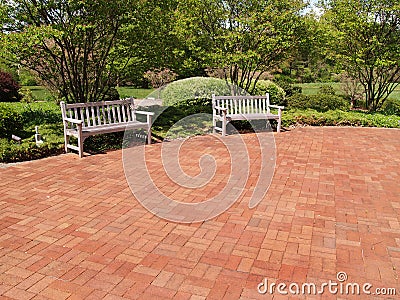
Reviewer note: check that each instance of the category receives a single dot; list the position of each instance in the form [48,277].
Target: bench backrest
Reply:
[101,113]
[238,105]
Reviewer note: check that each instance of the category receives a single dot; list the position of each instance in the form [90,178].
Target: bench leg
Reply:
[224,125]
[66,140]
[80,146]
[214,125]
[149,136]
[80,141]
[149,129]
[278,129]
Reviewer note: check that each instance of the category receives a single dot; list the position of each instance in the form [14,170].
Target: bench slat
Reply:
[108,114]
[119,113]
[87,116]
[93,116]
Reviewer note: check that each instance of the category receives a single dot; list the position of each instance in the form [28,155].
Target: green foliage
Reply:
[319,102]
[26,79]
[75,47]
[28,150]
[392,107]
[365,40]
[288,87]
[10,122]
[26,95]
[192,88]
[243,38]
[20,119]
[339,118]
[8,88]
[276,93]
[111,94]
[327,90]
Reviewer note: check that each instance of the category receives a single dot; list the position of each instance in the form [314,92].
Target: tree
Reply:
[366,42]
[70,44]
[244,38]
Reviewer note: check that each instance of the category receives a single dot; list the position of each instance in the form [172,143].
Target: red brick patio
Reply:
[70,228]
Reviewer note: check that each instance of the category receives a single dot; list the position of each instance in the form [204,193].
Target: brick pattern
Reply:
[71,229]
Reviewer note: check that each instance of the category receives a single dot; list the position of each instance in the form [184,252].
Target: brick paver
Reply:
[70,228]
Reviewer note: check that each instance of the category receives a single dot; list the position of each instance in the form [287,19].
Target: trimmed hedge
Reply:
[339,118]
[11,122]
[319,102]
[276,93]
[193,88]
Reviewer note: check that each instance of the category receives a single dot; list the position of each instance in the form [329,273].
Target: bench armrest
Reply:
[74,121]
[149,113]
[276,106]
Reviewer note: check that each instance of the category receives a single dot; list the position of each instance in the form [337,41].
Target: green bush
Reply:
[319,102]
[339,118]
[13,152]
[112,94]
[276,93]
[289,89]
[26,79]
[11,122]
[392,107]
[193,88]
[326,90]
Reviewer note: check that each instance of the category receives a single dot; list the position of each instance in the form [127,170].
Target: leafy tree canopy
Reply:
[244,38]
[366,42]
[70,44]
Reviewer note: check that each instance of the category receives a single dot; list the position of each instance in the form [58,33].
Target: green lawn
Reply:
[128,91]
[313,88]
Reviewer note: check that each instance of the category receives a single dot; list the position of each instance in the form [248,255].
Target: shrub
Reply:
[11,122]
[319,102]
[392,107]
[25,78]
[339,118]
[193,88]
[112,94]
[159,78]
[13,152]
[289,89]
[8,88]
[26,95]
[276,93]
[326,90]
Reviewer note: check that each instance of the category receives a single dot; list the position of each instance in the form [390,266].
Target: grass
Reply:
[313,88]
[128,91]
[39,92]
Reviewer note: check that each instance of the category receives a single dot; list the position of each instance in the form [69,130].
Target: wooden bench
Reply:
[82,120]
[229,108]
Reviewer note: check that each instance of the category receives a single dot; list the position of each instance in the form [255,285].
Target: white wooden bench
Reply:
[82,120]
[230,108]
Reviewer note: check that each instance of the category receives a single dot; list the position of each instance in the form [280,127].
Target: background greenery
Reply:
[20,119]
